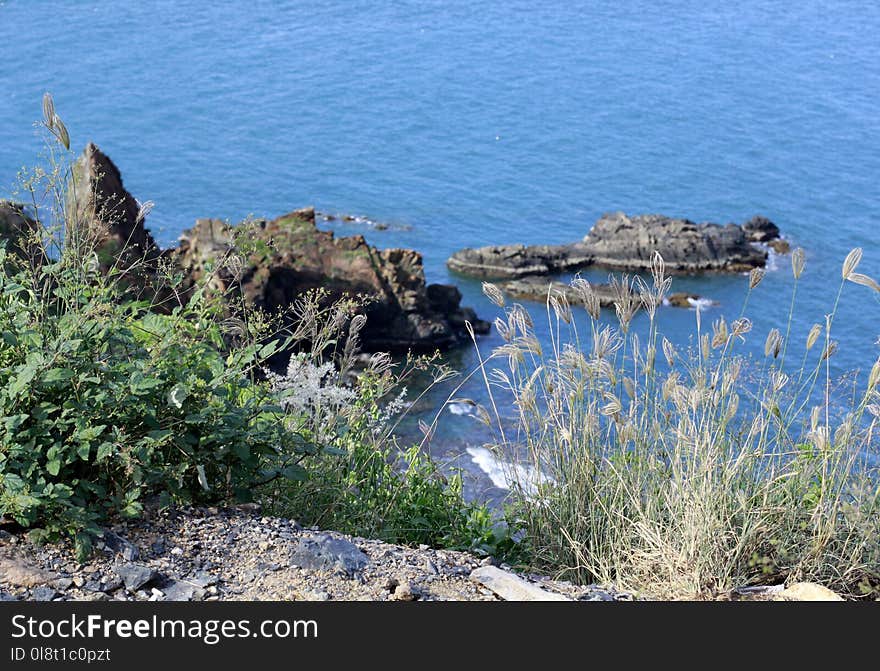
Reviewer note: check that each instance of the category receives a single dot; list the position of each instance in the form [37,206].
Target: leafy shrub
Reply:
[102,403]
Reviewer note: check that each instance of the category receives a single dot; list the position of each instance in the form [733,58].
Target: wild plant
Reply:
[681,472]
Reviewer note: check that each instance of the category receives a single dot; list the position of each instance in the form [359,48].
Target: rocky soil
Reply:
[239,554]
[628,243]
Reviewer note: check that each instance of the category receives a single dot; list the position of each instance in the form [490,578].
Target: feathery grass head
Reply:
[773,343]
[813,335]
[798,262]
[494,294]
[851,262]
[588,296]
[755,277]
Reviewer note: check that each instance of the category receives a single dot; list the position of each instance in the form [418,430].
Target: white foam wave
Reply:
[700,303]
[505,474]
[461,408]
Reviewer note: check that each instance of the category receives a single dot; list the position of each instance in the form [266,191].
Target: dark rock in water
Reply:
[780,246]
[539,289]
[136,576]
[112,224]
[510,261]
[108,212]
[278,261]
[681,299]
[20,231]
[761,229]
[443,297]
[628,243]
[291,255]
[322,552]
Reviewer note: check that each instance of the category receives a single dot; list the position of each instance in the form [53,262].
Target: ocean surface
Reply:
[469,123]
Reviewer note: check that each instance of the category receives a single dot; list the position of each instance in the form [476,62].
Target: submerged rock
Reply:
[539,288]
[628,243]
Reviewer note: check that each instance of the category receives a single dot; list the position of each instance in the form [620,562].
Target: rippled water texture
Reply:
[468,123]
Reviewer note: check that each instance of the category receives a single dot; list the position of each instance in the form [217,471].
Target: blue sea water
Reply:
[470,123]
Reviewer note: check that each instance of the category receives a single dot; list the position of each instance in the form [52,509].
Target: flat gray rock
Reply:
[135,576]
[511,587]
[44,594]
[322,552]
[626,243]
[179,590]
[113,542]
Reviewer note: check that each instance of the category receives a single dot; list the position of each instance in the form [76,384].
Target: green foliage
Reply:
[102,403]
[363,484]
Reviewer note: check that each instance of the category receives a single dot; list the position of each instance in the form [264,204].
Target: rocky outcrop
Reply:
[511,261]
[539,288]
[20,232]
[106,213]
[272,262]
[290,255]
[761,229]
[628,243]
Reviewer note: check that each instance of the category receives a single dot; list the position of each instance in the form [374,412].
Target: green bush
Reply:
[102,403]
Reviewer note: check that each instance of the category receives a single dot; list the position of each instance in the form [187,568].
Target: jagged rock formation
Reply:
[628,243]
[290,255]
[275,263]
[106,213]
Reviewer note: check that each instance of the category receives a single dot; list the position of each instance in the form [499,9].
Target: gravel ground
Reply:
[239,554]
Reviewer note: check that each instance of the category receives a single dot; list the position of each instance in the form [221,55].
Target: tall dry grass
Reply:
[684,473]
